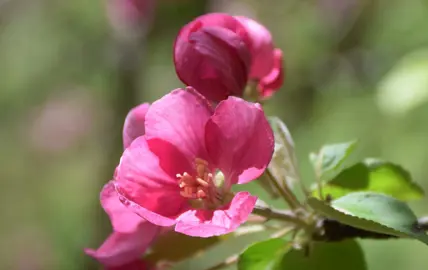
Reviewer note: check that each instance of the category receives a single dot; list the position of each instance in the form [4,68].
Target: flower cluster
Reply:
[183,153]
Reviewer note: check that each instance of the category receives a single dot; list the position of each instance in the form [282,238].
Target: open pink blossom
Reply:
[266,60]
[131,235]
[211,54]
[134,123]
[181,171]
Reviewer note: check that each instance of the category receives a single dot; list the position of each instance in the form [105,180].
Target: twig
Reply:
[282,232]
[284,215]
[318,174]
[285,192]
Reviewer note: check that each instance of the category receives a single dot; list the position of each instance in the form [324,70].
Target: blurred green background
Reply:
[355,69]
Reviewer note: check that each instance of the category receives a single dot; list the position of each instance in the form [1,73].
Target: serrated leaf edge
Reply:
[342,212]
[376,162]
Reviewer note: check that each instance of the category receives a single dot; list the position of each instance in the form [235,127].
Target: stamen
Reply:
[201,194]
[202,182]
[200,169]
[200,187]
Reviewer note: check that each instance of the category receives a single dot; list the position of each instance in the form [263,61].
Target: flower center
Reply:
[201,189]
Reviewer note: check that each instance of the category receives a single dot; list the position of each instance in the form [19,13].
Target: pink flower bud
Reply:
[266,60]
[211,53]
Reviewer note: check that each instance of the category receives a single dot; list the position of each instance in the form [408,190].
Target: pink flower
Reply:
[211,54]
[131,237]
[134,124]
[266,60]
[181,171]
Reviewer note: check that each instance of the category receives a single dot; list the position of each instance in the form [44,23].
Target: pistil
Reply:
[200,189]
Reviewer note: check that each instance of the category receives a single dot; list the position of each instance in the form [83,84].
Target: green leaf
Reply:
[331,157]
[326,256]
[263,255]
[373,212]
[374,175]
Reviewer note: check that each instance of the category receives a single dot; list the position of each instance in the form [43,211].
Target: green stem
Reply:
[285,192]
[282,215]
[318,175]
[282,232]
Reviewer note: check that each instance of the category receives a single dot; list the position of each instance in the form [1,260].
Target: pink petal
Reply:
[262,47]
[146,181]
[203,223]
[122,218]
[152,215]
[239,140]
[179,118]
[134,124]
[222,20]
[269,84]
[211,53]
[122,248]
[215,61]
